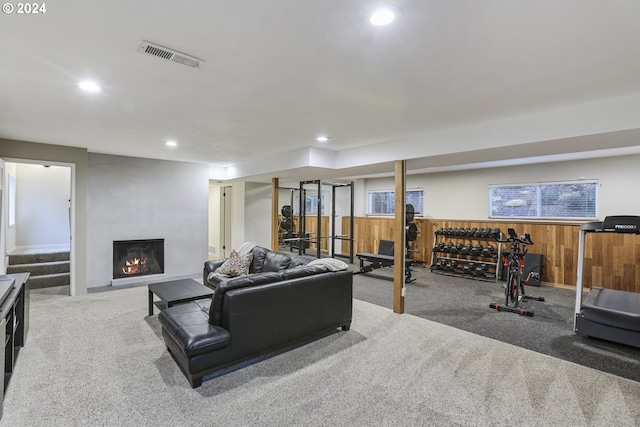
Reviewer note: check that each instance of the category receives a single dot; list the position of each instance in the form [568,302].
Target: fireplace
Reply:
[133,258]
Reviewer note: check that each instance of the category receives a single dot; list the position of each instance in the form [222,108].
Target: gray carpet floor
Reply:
[100,360]
[464,304]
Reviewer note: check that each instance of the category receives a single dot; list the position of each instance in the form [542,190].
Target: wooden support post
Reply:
[274,214]
[399,236]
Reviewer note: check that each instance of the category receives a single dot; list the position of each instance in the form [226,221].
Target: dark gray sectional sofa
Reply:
[282,300]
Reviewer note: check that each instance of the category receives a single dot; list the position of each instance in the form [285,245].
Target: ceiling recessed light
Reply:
[322,138]
[171,143]
[383,16]
[89,86]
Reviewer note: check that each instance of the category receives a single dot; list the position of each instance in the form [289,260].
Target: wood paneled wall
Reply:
[611,260]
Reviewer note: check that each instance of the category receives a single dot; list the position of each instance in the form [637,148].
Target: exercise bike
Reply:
[514,292]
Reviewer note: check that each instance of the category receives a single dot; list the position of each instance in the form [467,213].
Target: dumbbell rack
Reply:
[465,253]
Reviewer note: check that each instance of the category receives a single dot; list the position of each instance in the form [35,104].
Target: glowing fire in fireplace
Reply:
[135,266]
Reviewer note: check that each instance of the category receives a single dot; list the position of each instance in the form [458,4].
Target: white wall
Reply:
[464,194]
[42,205]
[257,209]
[461,195]
[132,198]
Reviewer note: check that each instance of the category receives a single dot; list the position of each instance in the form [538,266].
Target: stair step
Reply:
[39,257]
[41,268]
[49,280]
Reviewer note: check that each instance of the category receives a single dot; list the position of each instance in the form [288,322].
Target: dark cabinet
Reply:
[14,321]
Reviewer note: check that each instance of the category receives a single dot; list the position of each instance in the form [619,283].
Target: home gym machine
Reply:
[385,256]
[605,313]
[305,238]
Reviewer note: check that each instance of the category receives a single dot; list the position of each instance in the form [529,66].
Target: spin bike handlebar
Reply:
[513,238]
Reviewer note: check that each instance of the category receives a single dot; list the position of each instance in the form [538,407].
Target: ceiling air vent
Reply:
[169,54]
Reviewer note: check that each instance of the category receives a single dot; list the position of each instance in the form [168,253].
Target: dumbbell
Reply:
[495,233]
[481,270]
[465,250]
[452,248]
[451,265]
[469,268]
[488,251]
[476,250]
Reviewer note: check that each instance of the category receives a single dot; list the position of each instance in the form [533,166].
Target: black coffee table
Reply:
[176,292]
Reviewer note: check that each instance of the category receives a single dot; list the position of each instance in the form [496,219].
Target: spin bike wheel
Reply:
[512,291]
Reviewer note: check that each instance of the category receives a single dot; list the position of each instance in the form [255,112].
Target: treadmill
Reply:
[607,314]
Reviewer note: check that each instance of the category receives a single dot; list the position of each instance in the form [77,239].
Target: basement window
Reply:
[384,202]
[310,204]
[549,200]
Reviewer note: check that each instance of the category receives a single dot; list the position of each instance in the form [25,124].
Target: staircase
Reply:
[49,267]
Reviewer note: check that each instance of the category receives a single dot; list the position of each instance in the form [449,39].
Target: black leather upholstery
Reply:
[301,271]
[210,267]
[275,261]
[259,254]
[192,330]
[263,260]
[298,260]
[256,313]
[215,312]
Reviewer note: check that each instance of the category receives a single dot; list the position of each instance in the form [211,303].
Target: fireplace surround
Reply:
[133,258]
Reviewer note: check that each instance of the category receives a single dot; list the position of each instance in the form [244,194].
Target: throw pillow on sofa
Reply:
[236,265]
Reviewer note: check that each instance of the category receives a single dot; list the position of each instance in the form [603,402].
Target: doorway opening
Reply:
[38,239]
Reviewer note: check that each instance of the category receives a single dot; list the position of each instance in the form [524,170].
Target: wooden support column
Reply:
[399,236]
[275,182]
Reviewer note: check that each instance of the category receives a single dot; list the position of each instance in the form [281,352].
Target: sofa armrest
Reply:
[210,267]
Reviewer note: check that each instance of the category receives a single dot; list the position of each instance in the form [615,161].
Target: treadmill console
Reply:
[622,224]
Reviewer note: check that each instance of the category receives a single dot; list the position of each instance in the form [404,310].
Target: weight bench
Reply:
[385,258]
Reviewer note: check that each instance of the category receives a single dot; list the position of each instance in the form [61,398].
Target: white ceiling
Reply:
[450,84]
